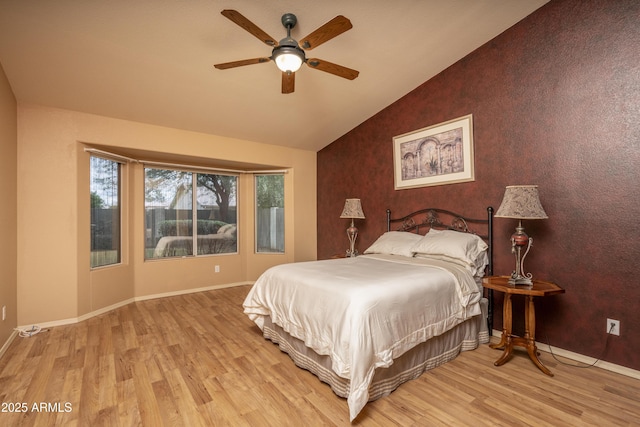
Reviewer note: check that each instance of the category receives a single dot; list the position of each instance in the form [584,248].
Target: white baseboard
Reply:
[103,310]
[191,291]
[622,370]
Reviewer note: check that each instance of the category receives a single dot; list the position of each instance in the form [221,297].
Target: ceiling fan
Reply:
[287,53]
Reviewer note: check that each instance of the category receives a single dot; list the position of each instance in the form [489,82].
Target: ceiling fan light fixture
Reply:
[288,58]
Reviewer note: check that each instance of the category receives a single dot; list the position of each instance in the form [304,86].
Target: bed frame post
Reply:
[388,219]
[490,272]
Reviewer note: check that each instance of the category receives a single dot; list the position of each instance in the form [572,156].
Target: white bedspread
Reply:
[363,312]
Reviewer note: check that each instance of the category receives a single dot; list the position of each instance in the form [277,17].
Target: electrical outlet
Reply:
[613,327]
[216,269]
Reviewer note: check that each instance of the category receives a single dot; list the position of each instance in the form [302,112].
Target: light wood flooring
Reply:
[197,360]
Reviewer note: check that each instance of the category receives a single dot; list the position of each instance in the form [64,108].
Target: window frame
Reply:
[120,187]
[256,248]
[194,172]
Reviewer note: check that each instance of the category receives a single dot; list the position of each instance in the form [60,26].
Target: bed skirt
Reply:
[428,355]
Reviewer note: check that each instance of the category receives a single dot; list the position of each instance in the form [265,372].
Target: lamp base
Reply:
[352,233]
[523,282]
[519,242]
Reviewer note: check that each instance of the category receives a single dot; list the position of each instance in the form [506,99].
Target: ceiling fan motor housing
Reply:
[287,55]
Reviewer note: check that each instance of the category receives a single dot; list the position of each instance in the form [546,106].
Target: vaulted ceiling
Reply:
[152,60]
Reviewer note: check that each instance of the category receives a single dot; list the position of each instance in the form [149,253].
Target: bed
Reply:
[367,324]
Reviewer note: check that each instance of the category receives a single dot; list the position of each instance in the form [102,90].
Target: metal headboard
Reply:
[441,219]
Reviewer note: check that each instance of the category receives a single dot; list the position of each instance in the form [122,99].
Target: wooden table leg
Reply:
[530,335]
[506,339]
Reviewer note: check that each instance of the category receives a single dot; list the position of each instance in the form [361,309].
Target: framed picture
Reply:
[436,155]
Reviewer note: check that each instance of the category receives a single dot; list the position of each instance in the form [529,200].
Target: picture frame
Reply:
[436,155]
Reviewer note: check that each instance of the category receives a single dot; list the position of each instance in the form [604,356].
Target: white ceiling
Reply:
[152,60]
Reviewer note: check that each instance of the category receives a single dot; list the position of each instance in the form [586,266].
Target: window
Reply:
[105,211]
[173,198]
[270,213]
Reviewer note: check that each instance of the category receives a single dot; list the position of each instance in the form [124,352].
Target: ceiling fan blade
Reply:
[249,26]
[326,32]
[288,82]
[329,67]
[234,64]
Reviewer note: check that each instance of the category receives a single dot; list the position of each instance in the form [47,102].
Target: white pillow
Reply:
[464,247]
[477,268]
[394,243]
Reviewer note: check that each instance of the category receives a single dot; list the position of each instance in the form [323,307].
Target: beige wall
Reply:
[8,213]
[54,279]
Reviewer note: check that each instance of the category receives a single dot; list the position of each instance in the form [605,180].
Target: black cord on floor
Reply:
[604,350]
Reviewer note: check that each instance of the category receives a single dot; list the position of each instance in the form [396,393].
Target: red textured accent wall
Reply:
[555,102]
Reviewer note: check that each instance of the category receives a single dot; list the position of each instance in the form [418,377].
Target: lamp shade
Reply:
[521,202]
[352,209]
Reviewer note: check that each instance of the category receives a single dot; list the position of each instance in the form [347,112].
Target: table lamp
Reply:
[521,202]
[353,210]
